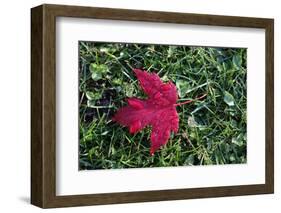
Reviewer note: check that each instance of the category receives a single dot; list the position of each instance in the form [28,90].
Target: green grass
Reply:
[211,131]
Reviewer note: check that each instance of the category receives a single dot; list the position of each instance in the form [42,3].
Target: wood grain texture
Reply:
[36,106]
[43,105]
[269,106]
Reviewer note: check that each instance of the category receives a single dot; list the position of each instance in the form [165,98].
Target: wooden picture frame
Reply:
[43,105]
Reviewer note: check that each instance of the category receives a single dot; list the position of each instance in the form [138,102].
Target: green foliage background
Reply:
[211,131]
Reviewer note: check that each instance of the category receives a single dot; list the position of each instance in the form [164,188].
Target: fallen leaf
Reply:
[158,110]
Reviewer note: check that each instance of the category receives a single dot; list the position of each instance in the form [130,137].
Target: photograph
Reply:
[169,105]
[155,105]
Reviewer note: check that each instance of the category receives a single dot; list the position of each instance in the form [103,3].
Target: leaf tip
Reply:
[137,71]
[135,127]
[152,150]
[135,103]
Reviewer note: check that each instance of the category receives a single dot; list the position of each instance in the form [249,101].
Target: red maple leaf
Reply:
[158,110]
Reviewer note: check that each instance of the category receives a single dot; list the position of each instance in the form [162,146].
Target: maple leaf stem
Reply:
[189,101]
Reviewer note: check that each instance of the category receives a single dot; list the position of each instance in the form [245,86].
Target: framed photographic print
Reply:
[136,106]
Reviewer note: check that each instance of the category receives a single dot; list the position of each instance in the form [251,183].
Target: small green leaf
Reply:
[98,71]
[117,81]
[96,76]
[93,95]
[237,61]
[228,99]
[182,87]
[93,67]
